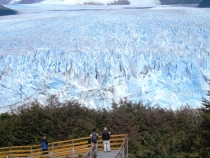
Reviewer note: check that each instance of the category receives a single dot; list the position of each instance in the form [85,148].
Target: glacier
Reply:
[100,54]
[73,2]
[133,2]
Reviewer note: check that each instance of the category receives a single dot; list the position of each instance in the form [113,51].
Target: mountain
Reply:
[29,1]
[5,1]
[133,2]
[205,4]
[120,2]
[6,11]
[164,2]
[167,2]
[92,3]
[100,54]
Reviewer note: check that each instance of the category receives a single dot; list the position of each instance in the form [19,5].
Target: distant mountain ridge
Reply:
[205,4]
[29,1]
[167,2]
[120,2]
[5,1]
[6,11]
[163,2]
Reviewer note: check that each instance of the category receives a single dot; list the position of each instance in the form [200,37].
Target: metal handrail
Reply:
[92,152]
[123,151]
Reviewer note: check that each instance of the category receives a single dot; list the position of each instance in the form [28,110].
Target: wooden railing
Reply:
[74,148]
[116,142]
[123,152]
[71,148]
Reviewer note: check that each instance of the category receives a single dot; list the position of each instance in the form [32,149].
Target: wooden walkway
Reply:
[111,154]
[71,148]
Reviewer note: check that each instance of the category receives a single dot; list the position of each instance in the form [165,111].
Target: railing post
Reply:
[127,148]
[51,154]
[73,149]
[10,151]
[31,152]
[123,152]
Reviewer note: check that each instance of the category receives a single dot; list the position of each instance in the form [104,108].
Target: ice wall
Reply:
[133,2]
[137,54]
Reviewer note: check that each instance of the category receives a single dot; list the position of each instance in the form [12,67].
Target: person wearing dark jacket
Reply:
[106,141]
[44,144]
[94,138]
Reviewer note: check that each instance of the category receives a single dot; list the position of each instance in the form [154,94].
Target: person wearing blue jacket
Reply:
[44,144]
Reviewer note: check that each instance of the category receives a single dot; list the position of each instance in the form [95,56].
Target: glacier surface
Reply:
[73,2]
[133,2]
[100,54]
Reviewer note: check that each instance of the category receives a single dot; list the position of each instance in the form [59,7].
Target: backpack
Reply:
[94,137]
[44,145]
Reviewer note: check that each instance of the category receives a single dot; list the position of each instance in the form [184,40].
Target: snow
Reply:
[100,54]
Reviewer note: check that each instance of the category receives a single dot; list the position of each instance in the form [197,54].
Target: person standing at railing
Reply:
[44,144]
[94,138]
[106,141]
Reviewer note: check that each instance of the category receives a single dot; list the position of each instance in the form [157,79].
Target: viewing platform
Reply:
[75,148]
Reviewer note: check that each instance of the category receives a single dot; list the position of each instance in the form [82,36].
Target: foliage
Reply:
[153,131]
[204,141]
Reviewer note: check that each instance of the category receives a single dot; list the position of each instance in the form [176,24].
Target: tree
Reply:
[205,126]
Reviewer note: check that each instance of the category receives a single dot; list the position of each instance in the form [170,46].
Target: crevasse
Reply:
[137,54]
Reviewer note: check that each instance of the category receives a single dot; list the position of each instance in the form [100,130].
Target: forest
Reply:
[154,132]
